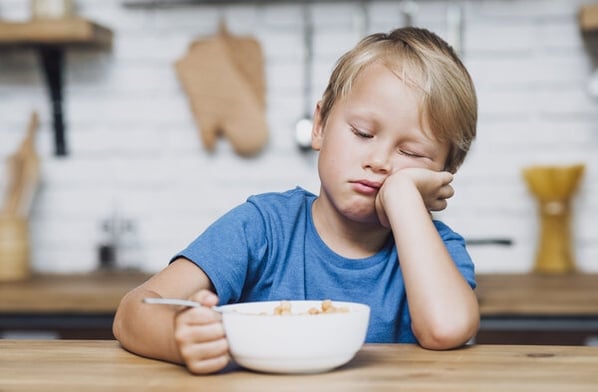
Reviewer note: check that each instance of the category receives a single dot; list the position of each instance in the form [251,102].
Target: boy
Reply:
[395,122]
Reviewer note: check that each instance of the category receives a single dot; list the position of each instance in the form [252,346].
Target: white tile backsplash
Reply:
[134,147]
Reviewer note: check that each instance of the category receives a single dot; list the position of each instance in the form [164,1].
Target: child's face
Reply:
[376,130]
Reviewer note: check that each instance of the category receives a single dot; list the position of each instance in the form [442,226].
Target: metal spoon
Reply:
[178,302]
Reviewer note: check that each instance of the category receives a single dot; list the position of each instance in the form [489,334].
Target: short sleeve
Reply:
[227,248]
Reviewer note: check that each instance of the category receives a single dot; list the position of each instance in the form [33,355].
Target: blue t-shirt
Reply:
[267,249]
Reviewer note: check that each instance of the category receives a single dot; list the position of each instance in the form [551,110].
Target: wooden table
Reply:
[71,365]
[50,37]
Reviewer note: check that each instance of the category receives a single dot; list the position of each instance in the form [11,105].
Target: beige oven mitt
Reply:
[223,77]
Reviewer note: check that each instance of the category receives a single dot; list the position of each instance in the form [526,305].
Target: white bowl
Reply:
[295,343]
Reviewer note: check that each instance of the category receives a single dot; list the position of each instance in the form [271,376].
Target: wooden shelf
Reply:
[51,37]
[54,31]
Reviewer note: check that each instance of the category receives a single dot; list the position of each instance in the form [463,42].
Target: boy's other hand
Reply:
[199,336]
[434,188]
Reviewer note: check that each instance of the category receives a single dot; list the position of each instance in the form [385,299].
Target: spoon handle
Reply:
[172,301]
[178,302]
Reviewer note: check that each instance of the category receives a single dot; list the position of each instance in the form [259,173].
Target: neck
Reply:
[346,237]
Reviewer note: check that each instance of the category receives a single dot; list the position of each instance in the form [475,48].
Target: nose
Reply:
[379,161]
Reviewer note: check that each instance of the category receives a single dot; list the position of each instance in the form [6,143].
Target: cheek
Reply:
[336,148]
[327,161]
[334,162]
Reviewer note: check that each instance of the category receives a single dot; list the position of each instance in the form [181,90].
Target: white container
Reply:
[52,9]
[14,248]
[295,343]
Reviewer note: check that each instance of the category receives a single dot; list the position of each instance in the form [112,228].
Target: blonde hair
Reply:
[424,61]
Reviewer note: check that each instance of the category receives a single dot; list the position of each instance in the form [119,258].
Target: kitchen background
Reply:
[136,159]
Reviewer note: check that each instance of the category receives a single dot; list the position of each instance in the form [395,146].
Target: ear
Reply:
[317,131]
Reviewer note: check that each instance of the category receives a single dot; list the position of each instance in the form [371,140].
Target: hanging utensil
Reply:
[454,22]
[303,127]
[24,172]
[408,11]
[362,19]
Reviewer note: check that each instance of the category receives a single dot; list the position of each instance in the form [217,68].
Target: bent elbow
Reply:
[445,336]
[118,326]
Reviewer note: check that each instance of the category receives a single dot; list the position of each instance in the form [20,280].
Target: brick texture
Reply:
[135,150]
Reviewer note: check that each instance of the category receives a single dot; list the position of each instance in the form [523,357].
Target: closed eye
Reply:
[358,133]
[411,154]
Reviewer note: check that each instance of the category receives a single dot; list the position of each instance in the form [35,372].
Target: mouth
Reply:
[366,187]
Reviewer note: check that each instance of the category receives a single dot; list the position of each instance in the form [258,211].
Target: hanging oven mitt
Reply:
[223,77]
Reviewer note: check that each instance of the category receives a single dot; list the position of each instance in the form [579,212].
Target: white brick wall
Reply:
[134,146]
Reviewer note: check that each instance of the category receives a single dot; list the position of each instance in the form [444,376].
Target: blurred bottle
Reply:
[128,251]
[119,246]
[107,246]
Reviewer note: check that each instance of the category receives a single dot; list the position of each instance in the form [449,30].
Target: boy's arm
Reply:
[444,308]
[148,330]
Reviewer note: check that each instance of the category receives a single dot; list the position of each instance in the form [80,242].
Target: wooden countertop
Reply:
[71,365]
[499,294]
[99,292]
[538,295]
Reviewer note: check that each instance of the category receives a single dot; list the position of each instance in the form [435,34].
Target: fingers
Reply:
[434,188]
[446,177]
[440,202]
[438,205]
[204,349]
[207,366]
[200,337]
[203,320]
[441,192]
[205,297]
[446,192]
